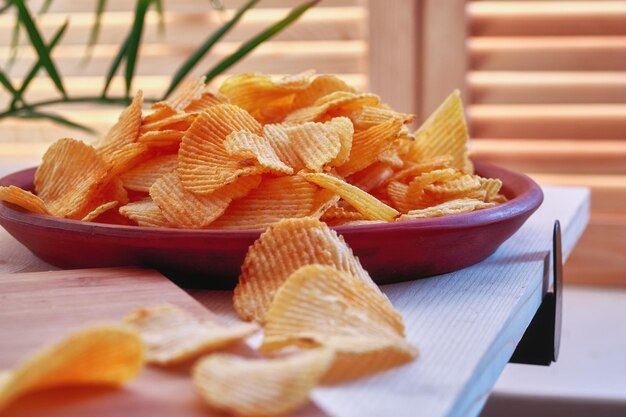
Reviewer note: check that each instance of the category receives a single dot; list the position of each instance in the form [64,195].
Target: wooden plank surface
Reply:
[465,323]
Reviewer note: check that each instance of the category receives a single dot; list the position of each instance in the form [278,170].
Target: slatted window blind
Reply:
[547,90]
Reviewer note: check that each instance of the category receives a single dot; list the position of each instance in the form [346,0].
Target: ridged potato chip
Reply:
[283,248]
[160,113]
[273,200]
[371,177]
[321,306]
[204,164]
[337,103]
[323,200]
[206,100]
[125,131]
[457,187]
[341,214]
[321,86]
[145,213]
[177,121]
[445,133]
[142,176]
[463,205]
[491,186]
[369,206]
[244,144]
[24,199]
[162,138]
[415,169]
[126,157]
[368,145]
[182,97]
[173,335]
[370,116]
[182,208]
[70,177]
[97,356]
[260,387]
[101,209]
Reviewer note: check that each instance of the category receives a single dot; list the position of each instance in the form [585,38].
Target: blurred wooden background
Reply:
[544,81]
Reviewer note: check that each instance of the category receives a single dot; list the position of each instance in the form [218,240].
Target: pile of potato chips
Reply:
[324,322]
[259,151]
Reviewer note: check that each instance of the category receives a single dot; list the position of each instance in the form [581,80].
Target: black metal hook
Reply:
[542,340]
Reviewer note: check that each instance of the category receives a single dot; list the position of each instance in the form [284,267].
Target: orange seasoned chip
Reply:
[338,103]
[445,133]
[145,213]
[184,95]
[283,248]
[126,157]
[206,100]
[160,113]
[93,214]
[162,138]
[454,188]
[125,131]
[341,214]
[368,205]
[142,176]
[97,356]
[177,121]
[273,200]
[319,306]
[173,335]
[312,145]
[244,144]
[24,199]
[323,200]
[260,387]
[70,177]
[414,169]
[370,116]
[204,164]
[182,208]
[371,177]
[463,205]
[321,86]
[368,145]
[265,98]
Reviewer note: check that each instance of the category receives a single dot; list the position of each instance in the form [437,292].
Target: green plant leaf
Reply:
[37,114]
[203,49]
[37,42]
[134,40]
[95,30]
[251,44]
[6,7]
[33,72]
[44,7]
[4,80]
[158,5]
[121,54]
[15,42]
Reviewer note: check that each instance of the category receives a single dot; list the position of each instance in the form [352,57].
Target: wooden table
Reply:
[466,324]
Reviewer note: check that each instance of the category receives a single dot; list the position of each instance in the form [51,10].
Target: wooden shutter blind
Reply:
[330,37]
[547,90]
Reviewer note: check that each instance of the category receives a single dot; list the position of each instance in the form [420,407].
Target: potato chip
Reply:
[126,157]
[321,86]
[491,186]
[184,95]
[370,116]
[398,194]
[161,138]
[160,113]
[415,169]
[93,214]
[70,176]
[323,200]
[204,164]
[371,177]
[321,306]
[311,145]
[273,200]
[391,157]
[368,205]
[420,195]
[445,133]
[177,121]
[206,100]
[97,356]
[182,208]
[266,99]
[173,335]
[338,103]
[145,213]
[125,131]
[141,177]
[341,213]
[368,145]
[24,199]
[283,248]
[244,144]
[462,185]
[463,205]
[260,387]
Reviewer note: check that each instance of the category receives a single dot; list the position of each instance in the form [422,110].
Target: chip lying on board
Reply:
[103,356]
[356,153]
[260,387]
[173,335]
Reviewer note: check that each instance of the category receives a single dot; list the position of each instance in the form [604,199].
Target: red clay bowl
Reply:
[391,252]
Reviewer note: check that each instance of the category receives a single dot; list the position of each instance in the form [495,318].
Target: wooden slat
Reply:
[599,256]
[592,53]
[547,18]
[187,29]
[554,157]
[522,87]
[394,53]
[290,57]
[608,192]
[576,121]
